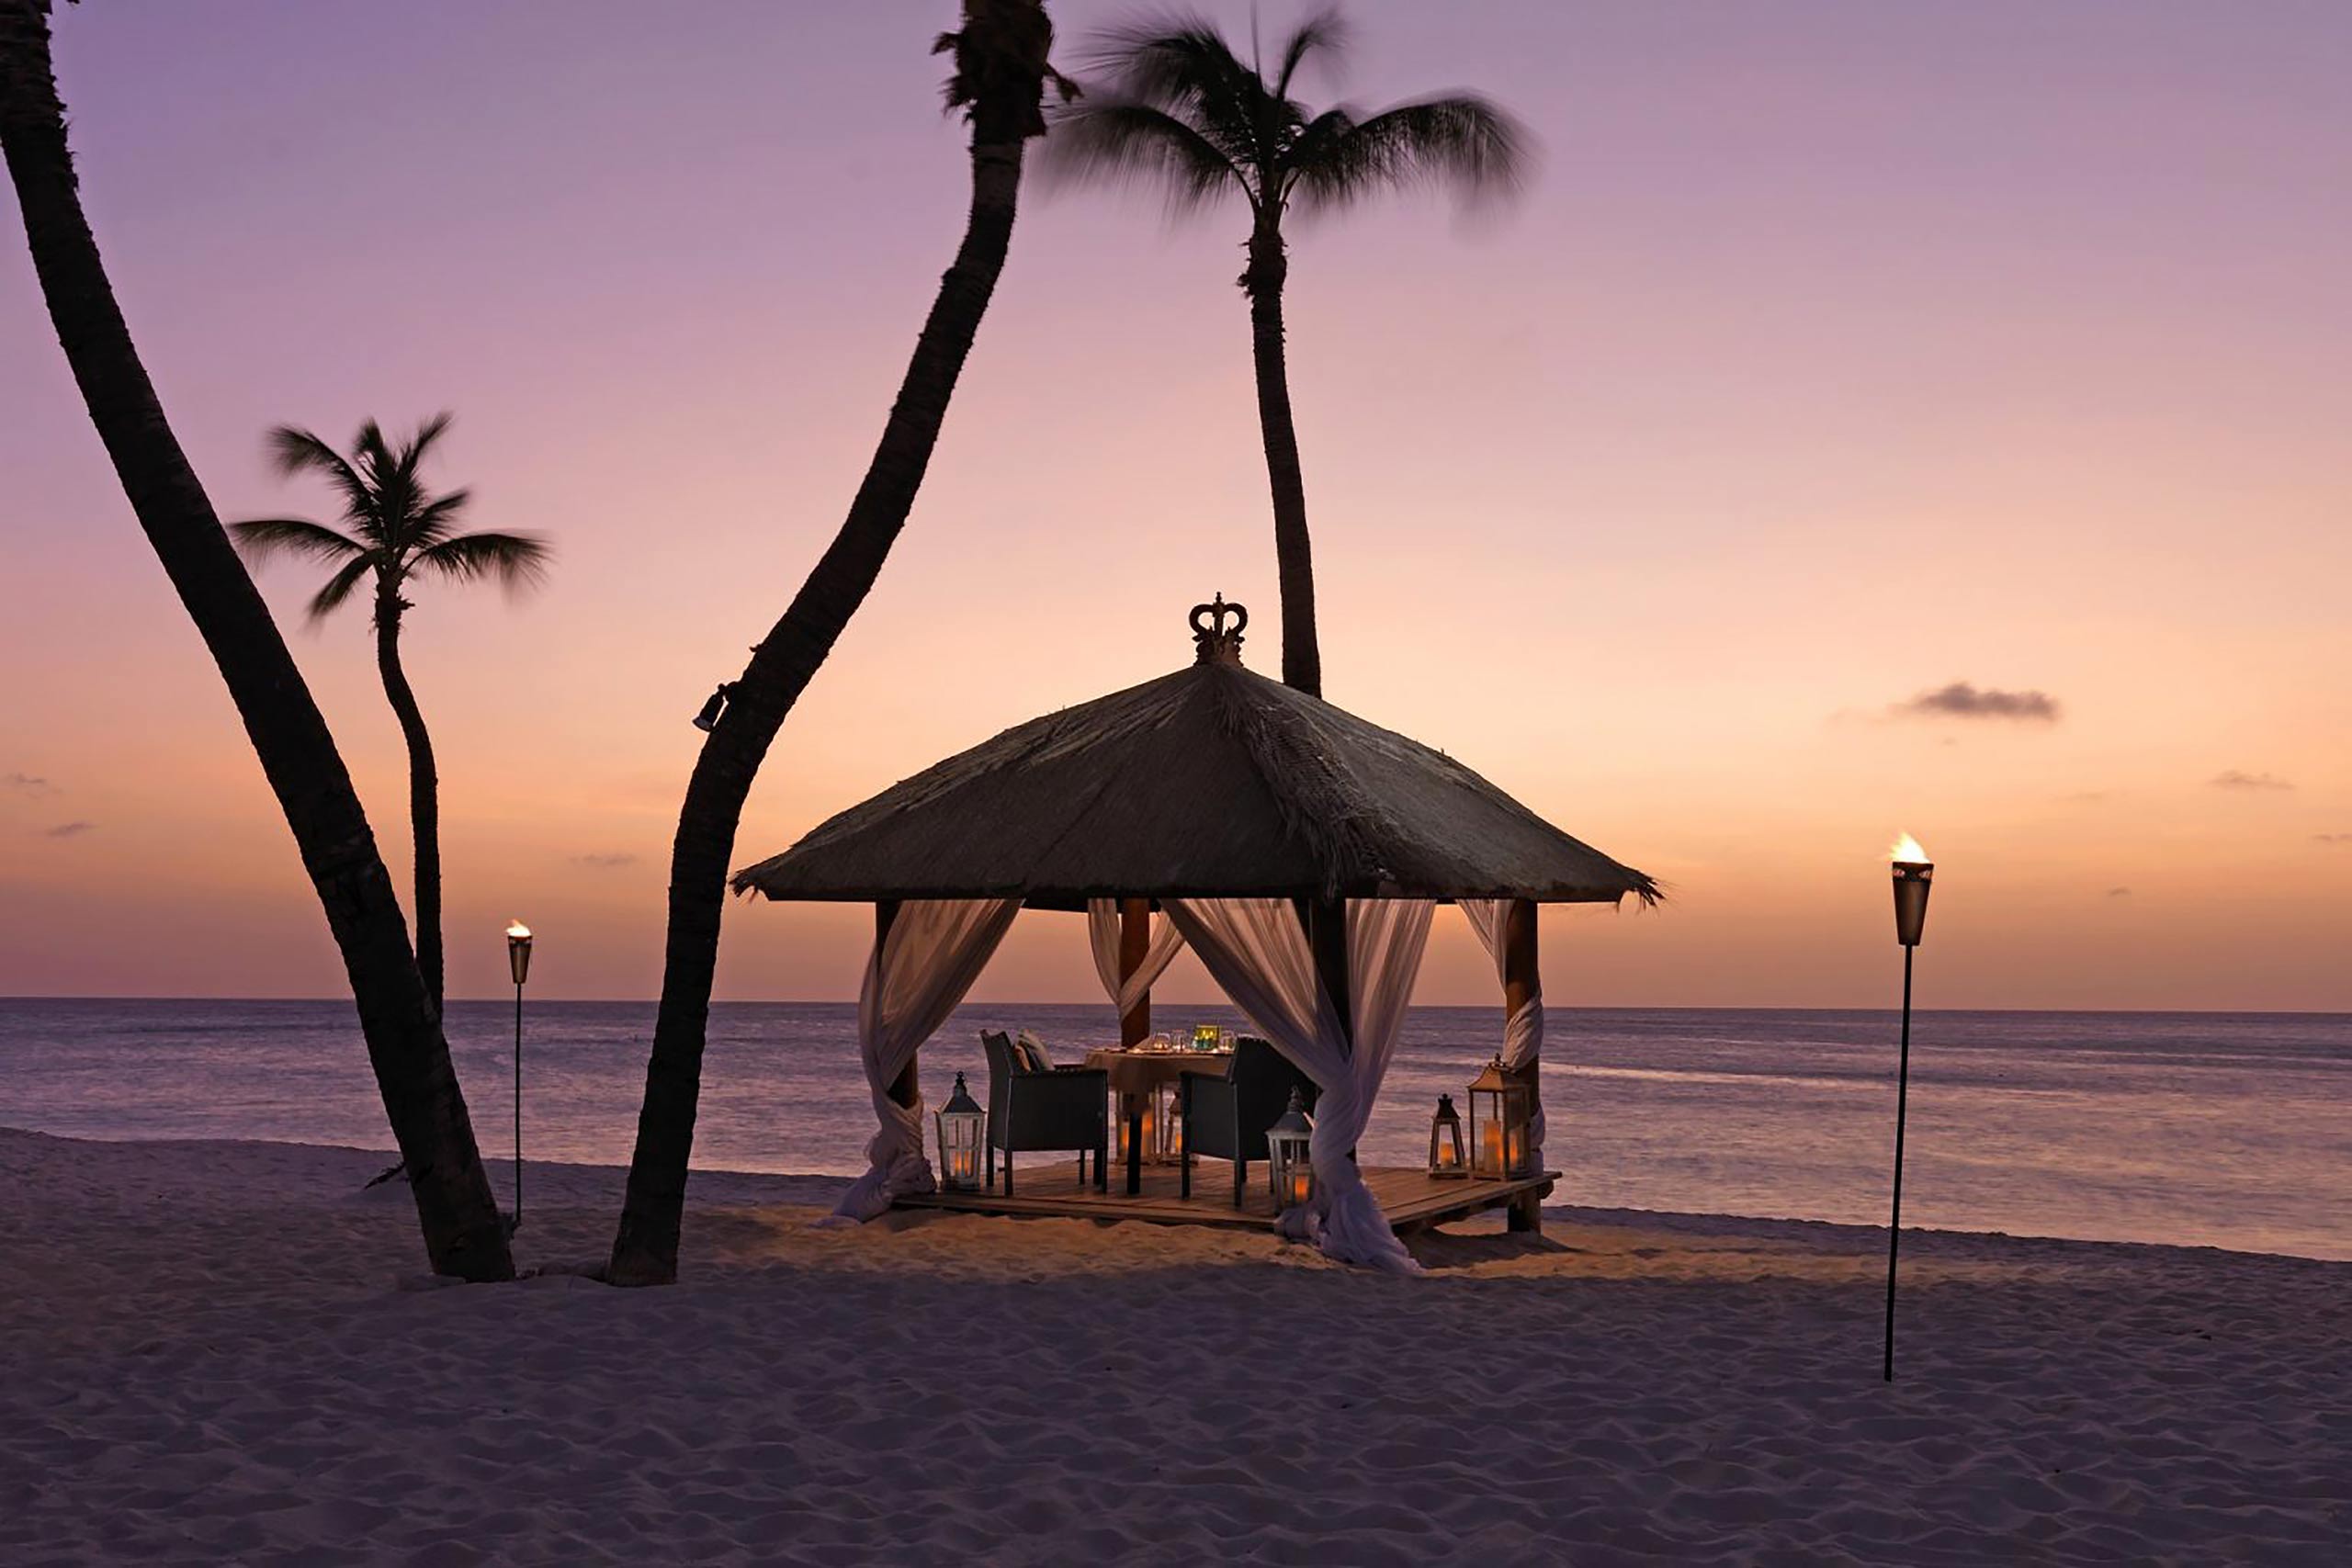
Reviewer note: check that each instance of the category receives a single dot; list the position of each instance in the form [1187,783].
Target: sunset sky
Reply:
[1839,354]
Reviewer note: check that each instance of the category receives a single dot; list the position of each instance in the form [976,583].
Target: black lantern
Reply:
[961,1124]
[1449,1156]
[1502,1124]
[708,719]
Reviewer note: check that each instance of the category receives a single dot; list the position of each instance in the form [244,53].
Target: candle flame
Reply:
[1907,851]
[517,931]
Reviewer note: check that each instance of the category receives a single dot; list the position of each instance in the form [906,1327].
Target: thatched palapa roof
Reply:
[1212,782]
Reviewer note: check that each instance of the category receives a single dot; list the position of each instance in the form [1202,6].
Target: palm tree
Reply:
[394,531]
[463,1232]
[1001,71]
[1176,107]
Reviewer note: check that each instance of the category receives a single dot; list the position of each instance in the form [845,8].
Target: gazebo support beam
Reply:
[1326,920]
[1522,984]
[1135,942]
[905,1089]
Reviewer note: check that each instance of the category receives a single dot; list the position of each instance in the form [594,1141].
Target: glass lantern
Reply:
[1290,1168]
[1449,1157]
[1502,1114]
[961,1127]
[1165,1122]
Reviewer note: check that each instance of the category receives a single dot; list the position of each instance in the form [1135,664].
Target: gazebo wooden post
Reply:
[1134,941]
[904,1088]
[1523,983]
[1326,920]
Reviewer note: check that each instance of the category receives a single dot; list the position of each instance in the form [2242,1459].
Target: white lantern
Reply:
[1289,1165]
[963,1128]
[1502,1115]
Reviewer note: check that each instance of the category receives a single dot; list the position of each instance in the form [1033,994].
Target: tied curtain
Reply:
[920,968]
[1523,1029]
[1256,949]
[1102,933]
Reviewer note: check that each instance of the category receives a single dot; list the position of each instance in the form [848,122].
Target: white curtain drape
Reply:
[1102,933]
[934,951]
[1256,949]
[1523,1026]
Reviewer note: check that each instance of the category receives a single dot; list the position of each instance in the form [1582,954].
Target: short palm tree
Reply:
[1174,106]
[463,1232]
[394,532]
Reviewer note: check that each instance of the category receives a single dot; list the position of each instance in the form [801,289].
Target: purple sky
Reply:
[1836,354]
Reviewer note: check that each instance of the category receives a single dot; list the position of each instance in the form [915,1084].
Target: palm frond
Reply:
[263,539]
[435,519]
[1105,140]
[1460,142]
[328,600]
[1163,57]
[1326,32]
[516,561]
[294,451]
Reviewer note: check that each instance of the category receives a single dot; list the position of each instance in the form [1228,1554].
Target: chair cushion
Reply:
[1030,1052]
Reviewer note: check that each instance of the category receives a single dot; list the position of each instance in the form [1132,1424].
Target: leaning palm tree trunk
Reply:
[463,1234]
[1294,554]
[1001,64]
[423,795]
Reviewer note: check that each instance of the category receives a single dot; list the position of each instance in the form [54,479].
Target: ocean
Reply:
[2200,1128]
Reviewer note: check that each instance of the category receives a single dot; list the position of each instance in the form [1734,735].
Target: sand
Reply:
[228,1352]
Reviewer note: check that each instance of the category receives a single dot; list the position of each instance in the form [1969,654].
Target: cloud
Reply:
[2119,893]
[2332,838]
[24,784]
[2237,778]
[1962,700]
[604,862]
[69,830]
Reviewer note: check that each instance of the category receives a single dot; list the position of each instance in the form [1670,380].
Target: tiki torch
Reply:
[1914,873]
[518,959]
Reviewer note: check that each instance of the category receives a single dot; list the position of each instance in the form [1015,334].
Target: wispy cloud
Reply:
[1963,699]
[2238,778]
[604,862]
[2332,838]
[24,784]
[69,830]
[2119,893]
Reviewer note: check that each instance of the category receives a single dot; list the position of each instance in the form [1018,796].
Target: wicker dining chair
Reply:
[1052,1111]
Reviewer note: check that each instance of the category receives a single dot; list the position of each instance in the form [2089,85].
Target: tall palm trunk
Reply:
[645,1251]
[463,1232]
[424,793]
[1294,554]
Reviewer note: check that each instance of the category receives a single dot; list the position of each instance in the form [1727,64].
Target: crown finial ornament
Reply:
[1213,644]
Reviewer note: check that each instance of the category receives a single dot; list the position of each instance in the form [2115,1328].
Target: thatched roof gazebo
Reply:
[1209,795]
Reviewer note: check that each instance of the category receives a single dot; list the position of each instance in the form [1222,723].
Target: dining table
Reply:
[1138,1071]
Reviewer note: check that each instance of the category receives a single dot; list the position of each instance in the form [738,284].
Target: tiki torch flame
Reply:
[1907,851]
[517,931]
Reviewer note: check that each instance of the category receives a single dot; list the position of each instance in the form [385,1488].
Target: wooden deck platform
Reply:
[1049,1188]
